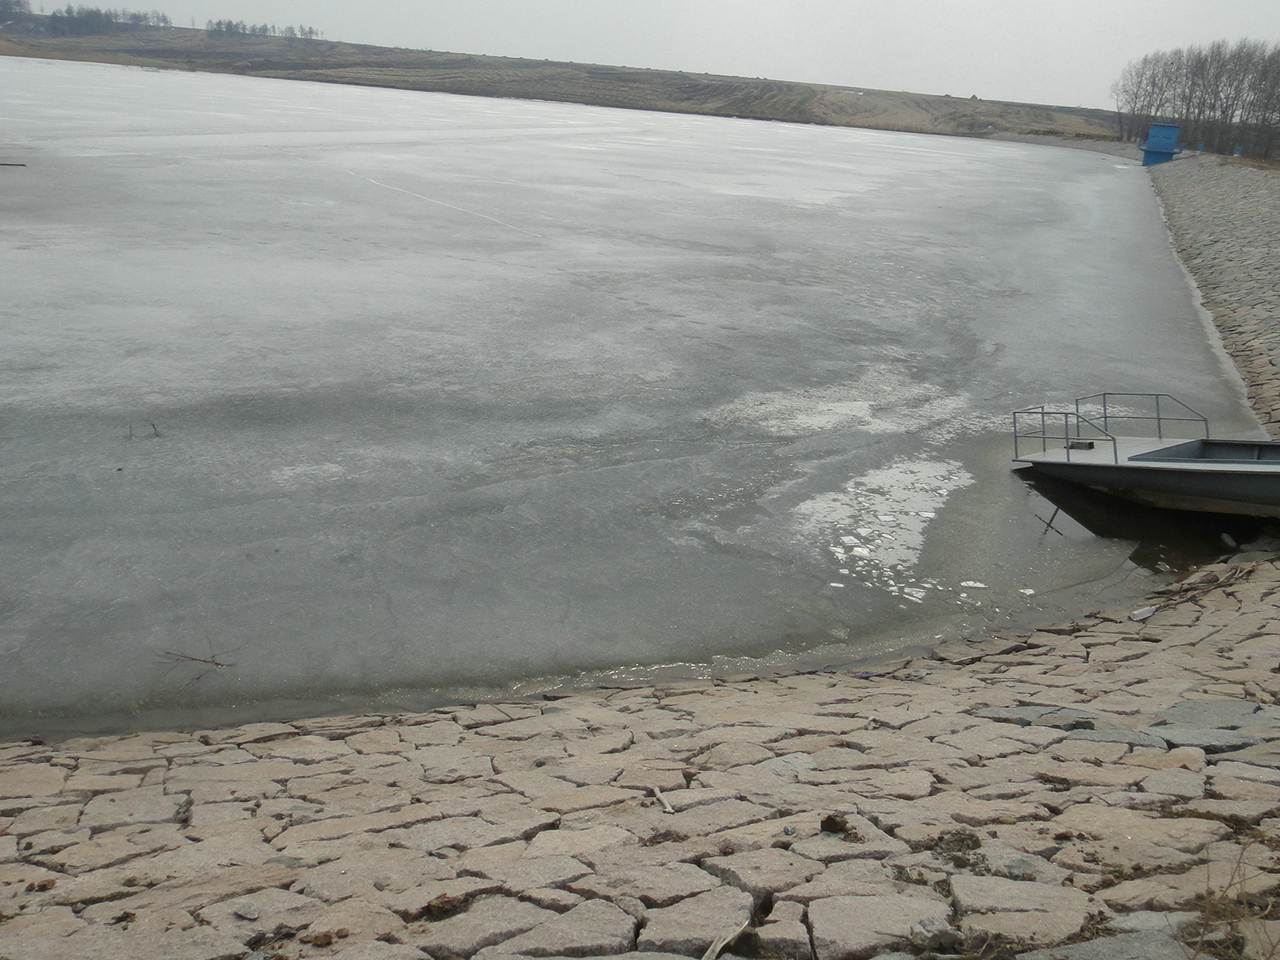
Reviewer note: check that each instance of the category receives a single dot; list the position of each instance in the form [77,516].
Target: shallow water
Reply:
[311,392]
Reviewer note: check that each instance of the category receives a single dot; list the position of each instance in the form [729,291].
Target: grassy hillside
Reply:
[333,62]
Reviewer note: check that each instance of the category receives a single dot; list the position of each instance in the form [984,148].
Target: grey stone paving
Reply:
[948,806]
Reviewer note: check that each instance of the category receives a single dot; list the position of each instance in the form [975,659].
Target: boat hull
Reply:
[1235,476]
[1250,494]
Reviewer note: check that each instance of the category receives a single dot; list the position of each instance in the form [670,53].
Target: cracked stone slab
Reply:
[974,894]
[571,843]
[1260,937]
[585,798]
[25,933]
[133,942]
[1208,739]
[654,886]
[363,872]
[1142,945]
[300,749]
[43,848]
[594,928]
[335,828]
[1175,782]
[1187,834]
[55,816]
[858,838]
[1175,891]
[431,898]
[733,753]
[858,927]
[487,922]
[451,764]
[377,950]
[1265,755]
[353,920]
[1218,714]
[691,926]
[19,780]
[1026,928]
[784,933]
[848,878]
[1021,716]
[1248,811]
[142,805]
[459,833]
[907,784]
[1094,862]
[1006,860]
[262,912]
[763,872]
[1136,738]
[531,873]
[118,846]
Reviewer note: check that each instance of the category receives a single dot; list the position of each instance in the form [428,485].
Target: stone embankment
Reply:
[1225,220]
[1115,781]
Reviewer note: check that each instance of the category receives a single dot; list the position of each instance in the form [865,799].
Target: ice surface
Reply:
[350,389]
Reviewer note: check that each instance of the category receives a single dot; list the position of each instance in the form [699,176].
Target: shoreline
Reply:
[1091,780]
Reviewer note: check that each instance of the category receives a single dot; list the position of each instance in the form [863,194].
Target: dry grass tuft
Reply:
[1237,924]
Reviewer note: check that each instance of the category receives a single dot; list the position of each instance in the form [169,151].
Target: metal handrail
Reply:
[1159,418]
[1098,432]
[1047,418]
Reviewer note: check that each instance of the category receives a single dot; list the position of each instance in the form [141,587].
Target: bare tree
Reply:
[1222,95]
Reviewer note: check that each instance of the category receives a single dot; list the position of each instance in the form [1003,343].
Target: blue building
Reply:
[1161,144]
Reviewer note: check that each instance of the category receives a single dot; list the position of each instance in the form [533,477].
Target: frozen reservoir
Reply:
[360,392]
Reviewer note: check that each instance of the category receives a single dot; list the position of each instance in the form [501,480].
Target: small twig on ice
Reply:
[213,662]
[667,808]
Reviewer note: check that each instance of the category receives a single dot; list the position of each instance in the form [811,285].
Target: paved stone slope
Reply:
[1225,219]
[1088,781]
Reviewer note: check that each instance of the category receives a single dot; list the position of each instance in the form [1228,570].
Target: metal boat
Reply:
[1150,448]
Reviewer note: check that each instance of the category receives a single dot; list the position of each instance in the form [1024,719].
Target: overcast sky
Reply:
[1063,52]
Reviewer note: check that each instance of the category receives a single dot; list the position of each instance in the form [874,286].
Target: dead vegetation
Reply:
[1237,922]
